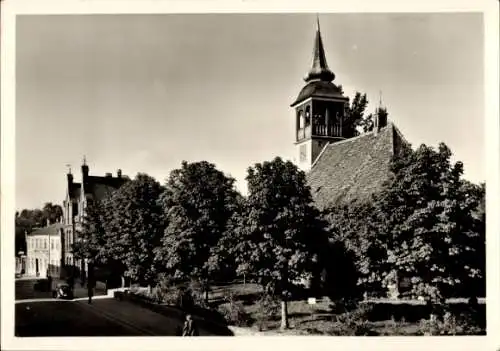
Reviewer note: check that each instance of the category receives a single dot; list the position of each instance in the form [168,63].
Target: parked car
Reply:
[62,291]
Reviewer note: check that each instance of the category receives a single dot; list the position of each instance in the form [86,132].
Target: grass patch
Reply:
[384,317]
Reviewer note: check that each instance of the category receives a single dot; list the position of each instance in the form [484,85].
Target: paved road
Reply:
[104,317]
[44,316]
[58,318]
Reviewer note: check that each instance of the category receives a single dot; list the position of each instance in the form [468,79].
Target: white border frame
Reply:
[12,7]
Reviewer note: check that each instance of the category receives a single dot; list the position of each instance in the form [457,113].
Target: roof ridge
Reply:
[320,154]
[398,132]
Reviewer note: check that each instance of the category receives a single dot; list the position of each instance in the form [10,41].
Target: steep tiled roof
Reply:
[355,168]
[101,187]
[53,229]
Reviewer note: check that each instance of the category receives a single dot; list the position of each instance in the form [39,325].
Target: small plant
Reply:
[195,294]
[233,311]
[449,325]
[352,323]
[268,308]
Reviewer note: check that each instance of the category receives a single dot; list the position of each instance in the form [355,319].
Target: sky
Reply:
[142,93]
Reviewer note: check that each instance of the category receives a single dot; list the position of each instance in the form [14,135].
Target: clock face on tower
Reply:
[303,153]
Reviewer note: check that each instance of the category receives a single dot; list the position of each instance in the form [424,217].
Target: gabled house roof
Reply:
[96,187]
[354,169]
[51,230]
[102,187]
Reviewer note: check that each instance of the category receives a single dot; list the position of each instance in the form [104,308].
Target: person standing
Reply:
[190,328]
[90,289]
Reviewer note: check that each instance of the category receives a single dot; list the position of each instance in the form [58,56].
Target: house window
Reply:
[52,244]
[45,244]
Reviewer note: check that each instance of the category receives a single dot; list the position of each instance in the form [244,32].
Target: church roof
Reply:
[354,169]
[319,89]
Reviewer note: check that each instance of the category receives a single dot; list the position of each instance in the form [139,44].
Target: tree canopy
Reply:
[426,227]
[279,232]
[197,203]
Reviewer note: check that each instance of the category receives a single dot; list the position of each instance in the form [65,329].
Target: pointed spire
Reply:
[84,160]
[319,69]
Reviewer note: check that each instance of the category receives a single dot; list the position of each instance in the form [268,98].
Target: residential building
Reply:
[43,255]
[78,196]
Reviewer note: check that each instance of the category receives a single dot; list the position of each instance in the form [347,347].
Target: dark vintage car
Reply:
[62,291]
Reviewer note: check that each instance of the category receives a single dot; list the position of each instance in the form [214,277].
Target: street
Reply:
[104,317]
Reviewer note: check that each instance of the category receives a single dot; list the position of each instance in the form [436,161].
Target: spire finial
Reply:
[319,69]
[380,98]
[69,168]
[84,160]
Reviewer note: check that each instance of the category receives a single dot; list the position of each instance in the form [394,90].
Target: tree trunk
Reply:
[206,292]
[284,314]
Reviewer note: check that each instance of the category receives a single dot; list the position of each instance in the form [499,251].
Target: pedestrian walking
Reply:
[71,282]
[90,290]
[190,328]
[49,281]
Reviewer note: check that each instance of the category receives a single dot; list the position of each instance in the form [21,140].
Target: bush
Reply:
[194,295]
[186,297]
[352,323]
[450,324]
[233,311]
[268,308]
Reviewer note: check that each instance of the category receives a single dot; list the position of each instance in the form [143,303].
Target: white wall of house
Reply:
[43,251]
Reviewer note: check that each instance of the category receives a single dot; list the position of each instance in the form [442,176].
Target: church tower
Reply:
[320,110]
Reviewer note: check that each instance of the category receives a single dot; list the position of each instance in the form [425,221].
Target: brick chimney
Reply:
[379,120]
[85,169]
[119,173]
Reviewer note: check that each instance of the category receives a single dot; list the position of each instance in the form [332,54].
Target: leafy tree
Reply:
[27,220]
[356,114]
[280,233]
[353,232]
[426,219]
[134,227]
[52,213]
[357,108]
[92,234]
[197,203]
[222,261]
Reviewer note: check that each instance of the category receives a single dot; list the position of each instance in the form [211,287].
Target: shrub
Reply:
[233,311]
[449,324]
[343,305]
[352,323]
[268,307]
[195,293]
